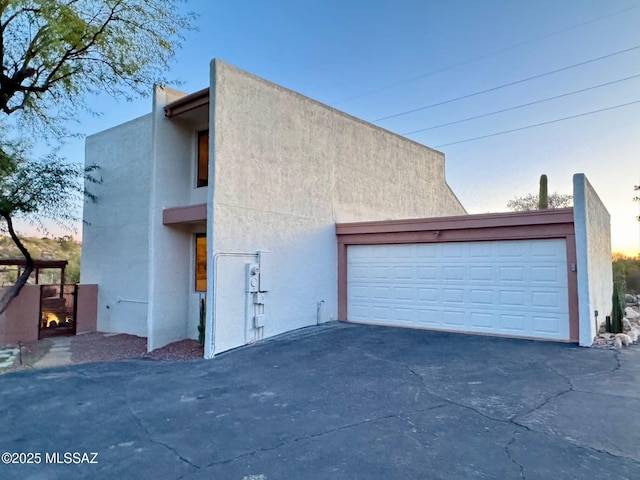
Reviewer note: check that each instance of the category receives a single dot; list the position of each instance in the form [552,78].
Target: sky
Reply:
[380,58]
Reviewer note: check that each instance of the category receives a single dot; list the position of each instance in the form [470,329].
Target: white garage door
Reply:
[515,288]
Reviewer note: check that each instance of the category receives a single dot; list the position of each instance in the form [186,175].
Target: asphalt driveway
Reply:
[334,402]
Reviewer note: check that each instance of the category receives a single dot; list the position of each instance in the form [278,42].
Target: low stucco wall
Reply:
[19,322]
[87,309]
[593,251]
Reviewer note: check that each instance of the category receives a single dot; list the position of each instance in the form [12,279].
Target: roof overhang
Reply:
[186,214]
[187,103]
[36,263]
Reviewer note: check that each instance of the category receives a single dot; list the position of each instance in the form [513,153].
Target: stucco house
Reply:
[242,173]
[262,206]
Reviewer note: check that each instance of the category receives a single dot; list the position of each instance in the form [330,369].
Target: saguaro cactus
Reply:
[543,197]
[616,312]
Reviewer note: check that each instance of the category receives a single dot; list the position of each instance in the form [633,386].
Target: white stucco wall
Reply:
[115,240]
[593,250]
[286,168]
[173,303]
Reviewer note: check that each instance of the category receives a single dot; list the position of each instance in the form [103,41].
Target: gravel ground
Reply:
[105,347]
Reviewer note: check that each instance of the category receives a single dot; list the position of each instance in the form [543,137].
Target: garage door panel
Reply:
[547,325]
[453,273]
[545,299]
[482,321]
[482,297]
[514,249]
[511,274]
[453,296]
[512,298]
[427,273]
[426,317]
[403,273]
[515,324]
[546,249]
[549,273]
[454,318]
[404,293]
[481,274]
[516,288]
[428,294]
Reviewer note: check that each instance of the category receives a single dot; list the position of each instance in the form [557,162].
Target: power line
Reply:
[510,84]
[522,105]
[538,124]
[485,55]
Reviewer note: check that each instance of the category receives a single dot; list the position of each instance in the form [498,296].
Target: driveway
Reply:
[335,402]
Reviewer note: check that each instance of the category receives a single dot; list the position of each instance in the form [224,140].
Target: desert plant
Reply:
[203,321]
[617,311]
[543,197]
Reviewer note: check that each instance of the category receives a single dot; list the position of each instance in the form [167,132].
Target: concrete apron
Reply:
[338,402]
[58,355]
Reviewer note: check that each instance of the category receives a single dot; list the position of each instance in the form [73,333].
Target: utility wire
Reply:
[548,99]
[538,124]
[492,89]
[485,55]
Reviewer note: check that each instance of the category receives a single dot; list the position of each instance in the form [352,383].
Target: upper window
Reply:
[203,159]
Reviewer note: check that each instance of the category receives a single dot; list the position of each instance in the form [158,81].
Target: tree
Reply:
[531,202]
[53,55]
[38,189]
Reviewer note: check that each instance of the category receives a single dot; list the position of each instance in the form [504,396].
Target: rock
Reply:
[631,313]
[624,339]
[628,298]
[606,335]
[626,324]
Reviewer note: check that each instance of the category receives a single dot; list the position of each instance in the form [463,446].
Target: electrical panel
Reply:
[253,277]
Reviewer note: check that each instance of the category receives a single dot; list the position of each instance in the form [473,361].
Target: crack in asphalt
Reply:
[321,434]
[618,366]
[546,401]
[157,442]
[510,457]
[513,420]
[430,392]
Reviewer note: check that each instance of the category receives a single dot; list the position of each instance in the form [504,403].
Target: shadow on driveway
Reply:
[335,402]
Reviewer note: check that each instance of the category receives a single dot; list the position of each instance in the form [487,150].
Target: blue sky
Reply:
[378,58]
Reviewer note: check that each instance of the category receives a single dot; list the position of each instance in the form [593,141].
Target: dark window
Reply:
[203,158]
[201,262]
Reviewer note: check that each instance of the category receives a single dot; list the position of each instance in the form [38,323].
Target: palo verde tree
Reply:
[532,202]
[54,54]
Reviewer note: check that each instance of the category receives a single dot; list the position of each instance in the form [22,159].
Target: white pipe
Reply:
[319,311]
[120,300]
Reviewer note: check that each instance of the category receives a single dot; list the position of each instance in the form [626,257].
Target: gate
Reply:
[58,306]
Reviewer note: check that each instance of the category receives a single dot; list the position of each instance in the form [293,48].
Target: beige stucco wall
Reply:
[19,322]
[286,168]
[173,304]
[115,236]
[87,309]
[593,252]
